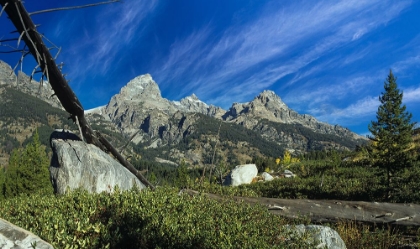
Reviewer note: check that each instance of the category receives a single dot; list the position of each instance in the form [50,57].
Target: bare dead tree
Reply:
[33,40]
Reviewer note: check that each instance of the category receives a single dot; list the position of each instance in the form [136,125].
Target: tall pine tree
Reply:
[391,133]
[27,171]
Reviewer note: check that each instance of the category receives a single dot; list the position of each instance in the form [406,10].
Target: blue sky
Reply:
[324,58]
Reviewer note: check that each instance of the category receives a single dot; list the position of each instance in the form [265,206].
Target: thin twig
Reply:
[4,7]
[7,40]
[132,137]
[72,8]
[58,52]
[34,71]
[12,51]
[48,40]
[20,38]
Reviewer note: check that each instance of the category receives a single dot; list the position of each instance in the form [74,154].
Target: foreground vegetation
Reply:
[146,219]
[164,219]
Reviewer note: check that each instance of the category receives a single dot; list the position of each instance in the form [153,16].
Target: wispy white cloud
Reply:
[407,64]
[315,93]
[351,114]
[361,110]
[104,41]
[264,46]
[411,95]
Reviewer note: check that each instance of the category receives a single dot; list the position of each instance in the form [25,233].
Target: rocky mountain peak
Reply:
[270,100]
[191,104]
[267,105]
[141,85]
[194,97]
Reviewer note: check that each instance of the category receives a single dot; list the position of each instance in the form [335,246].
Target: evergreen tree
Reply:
[27,171]
[391,133]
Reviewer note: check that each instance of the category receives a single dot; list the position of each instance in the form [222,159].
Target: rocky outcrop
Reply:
[241,174]
[7,76]
[267,105]
[270,116]
[23,83]
[316,236]
[76,164]
[12,236]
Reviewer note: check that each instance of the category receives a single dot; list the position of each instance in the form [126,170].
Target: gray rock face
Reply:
[23,83]
[139,104]
[319,236]
[242,174]
[269,106]
[7,76]
[76,164]
[12,236]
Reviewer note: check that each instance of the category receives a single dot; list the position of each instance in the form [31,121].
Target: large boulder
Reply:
[317,236]
[241,174]
[12,236]
[76,164]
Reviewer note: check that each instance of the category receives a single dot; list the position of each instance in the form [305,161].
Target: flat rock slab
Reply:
[12,236]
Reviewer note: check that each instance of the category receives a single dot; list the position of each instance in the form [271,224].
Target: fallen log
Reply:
[331,211]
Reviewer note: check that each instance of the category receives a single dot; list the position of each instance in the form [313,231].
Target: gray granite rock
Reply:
[76,164]
[267,177]
[241,174]
[12,236]
[317,236]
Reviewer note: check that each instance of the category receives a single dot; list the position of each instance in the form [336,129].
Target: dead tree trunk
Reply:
[33,40]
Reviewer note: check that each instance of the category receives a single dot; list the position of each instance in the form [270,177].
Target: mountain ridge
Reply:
[139,110]
[191,130]
[266,105]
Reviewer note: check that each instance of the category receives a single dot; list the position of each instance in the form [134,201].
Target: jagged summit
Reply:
[271,100]
[140,87]
[194,97]
[266,105]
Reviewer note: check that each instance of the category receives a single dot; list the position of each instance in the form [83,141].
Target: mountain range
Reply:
[190,130]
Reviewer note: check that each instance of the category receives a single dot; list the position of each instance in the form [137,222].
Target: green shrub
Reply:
[145,219]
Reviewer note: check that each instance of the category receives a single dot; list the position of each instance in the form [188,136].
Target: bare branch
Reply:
[12,51]
[7,40]
[132,137]
[4,7]
[20,37]
[74,7]
[34,71]
[24,53]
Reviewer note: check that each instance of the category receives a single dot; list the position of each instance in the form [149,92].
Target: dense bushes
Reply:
[146,219]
